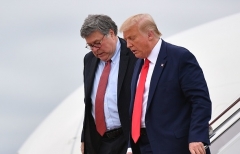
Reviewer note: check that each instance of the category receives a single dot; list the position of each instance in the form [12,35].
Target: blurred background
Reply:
[41,51]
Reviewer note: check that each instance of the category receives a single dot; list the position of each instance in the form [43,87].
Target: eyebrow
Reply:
[96,41]
[130,37]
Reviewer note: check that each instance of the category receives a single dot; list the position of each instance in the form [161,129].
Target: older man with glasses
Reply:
[107,74]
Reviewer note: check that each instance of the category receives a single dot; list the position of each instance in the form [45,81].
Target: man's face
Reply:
[137,41]
[102,46]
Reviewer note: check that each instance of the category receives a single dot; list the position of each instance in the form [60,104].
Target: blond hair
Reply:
[144,22]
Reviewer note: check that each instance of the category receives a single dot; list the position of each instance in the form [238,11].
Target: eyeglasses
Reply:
[96,44]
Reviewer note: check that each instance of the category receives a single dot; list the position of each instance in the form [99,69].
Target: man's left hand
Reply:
[197,148]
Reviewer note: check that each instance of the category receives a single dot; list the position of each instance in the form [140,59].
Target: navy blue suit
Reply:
[178,107]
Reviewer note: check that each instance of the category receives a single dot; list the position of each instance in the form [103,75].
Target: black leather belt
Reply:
[113,133]
[143,131]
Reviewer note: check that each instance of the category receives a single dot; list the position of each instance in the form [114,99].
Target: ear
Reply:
[111,33]
[150,35]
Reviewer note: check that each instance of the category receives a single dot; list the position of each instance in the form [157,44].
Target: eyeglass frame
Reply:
[95,45]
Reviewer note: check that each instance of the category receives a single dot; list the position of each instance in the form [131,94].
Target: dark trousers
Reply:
[116,145]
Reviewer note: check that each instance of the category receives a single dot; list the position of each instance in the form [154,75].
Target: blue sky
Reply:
[41,51]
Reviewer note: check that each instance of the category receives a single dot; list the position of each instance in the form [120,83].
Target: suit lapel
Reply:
[136,73]
[123,64]
[158,69]
[90,80]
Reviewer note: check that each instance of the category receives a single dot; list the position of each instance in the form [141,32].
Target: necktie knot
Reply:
[146,63]
[108,62]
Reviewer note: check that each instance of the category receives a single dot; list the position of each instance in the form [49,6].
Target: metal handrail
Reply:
[233,104]
[213,132]
[225,121]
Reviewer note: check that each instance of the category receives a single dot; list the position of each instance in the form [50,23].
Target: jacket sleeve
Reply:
[196,92]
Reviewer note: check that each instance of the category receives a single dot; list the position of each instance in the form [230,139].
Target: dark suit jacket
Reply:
[127,62]
[178,108]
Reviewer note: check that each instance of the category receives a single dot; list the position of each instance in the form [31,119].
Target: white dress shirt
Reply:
[153,59]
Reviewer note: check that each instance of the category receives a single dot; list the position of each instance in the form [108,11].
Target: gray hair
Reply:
[98,22]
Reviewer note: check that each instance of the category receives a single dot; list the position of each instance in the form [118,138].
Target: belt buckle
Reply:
[113,134]
[108,135]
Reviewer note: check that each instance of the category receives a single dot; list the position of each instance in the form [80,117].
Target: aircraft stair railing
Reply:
[224,129]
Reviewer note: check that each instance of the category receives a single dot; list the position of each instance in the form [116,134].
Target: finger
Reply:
[192,151]
[82,147]
[200,149]
[197,148]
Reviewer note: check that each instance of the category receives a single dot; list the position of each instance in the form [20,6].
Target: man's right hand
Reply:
[129,150]
[82,147]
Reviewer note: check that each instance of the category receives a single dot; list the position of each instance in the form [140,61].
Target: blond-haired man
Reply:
[170,105]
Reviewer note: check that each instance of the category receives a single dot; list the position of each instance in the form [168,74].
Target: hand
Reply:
[82,147]
[129,150]
[197,148]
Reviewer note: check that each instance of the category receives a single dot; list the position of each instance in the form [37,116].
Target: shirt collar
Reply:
[116,52]
[155,51]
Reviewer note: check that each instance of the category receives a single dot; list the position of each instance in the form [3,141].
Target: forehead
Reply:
[132,31]
[95,36]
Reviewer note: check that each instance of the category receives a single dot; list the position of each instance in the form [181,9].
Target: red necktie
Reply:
[137,109]
[99,102]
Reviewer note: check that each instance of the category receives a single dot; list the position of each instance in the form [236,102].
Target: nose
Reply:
[129,44]
[94,48]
